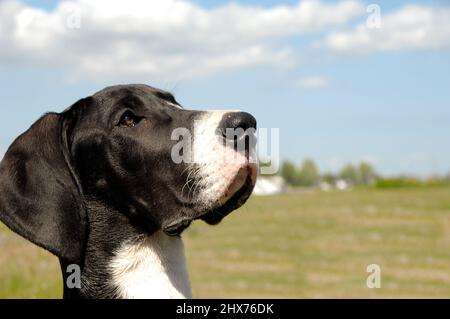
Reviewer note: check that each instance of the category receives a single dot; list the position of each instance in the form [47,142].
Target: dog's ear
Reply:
[40,196]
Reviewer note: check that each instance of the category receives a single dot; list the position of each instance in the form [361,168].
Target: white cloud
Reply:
[411,27]
[313,82]
[171,39]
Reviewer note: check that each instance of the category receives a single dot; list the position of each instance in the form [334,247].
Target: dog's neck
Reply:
[153,267]
[122,261]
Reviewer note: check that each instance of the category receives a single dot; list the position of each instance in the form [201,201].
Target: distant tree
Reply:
[447,178]
[289,173]
[329,178]
[350,174]
[367,174]
[308,174]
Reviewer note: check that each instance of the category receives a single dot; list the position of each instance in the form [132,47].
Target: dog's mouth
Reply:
[233,200]
[214,216]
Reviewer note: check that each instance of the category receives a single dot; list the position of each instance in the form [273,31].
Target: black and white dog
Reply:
[97,185]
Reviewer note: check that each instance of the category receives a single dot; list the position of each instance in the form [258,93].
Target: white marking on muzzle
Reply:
[218,164]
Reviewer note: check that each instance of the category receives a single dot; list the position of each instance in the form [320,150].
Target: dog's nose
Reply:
[237,120]
[238,126]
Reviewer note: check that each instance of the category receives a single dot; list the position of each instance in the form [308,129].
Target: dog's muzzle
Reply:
[231,169]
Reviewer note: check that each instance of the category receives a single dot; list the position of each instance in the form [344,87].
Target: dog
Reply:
[97,186]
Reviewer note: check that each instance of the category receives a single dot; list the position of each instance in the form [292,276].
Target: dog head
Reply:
[134,148]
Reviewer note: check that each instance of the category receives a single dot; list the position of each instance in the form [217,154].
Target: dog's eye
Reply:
[129,119]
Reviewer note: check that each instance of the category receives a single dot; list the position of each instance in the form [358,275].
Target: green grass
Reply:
[311,245]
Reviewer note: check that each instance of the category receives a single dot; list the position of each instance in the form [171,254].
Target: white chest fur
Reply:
[152,268]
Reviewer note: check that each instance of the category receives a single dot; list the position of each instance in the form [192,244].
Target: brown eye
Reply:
[129,119]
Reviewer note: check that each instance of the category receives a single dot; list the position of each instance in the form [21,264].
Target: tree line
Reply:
[362,174]
[307,174]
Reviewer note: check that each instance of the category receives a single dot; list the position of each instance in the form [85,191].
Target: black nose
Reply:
[236,120]
[237,127]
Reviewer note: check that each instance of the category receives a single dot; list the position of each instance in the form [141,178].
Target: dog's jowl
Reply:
[97,185]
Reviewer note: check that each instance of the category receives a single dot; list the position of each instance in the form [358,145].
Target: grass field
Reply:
[311,245]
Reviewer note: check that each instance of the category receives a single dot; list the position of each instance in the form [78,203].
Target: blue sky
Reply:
[384,99]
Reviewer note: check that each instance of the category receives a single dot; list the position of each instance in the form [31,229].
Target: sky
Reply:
[340,81]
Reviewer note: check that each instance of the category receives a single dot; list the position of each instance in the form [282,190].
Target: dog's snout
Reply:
[237,121]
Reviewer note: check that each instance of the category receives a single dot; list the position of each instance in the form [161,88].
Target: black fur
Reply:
[80,183]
